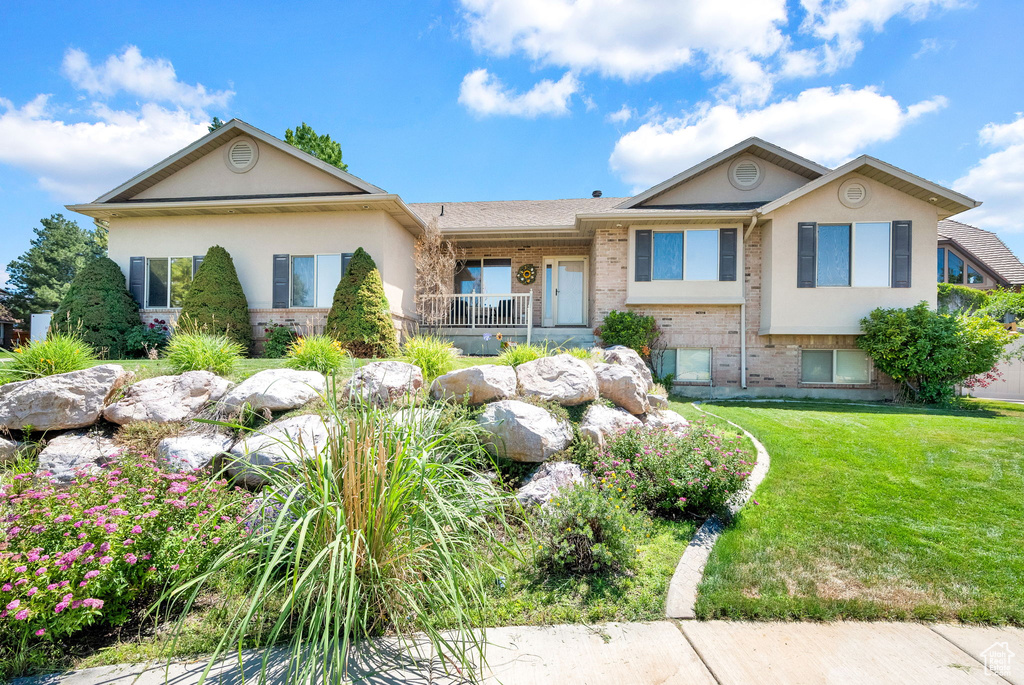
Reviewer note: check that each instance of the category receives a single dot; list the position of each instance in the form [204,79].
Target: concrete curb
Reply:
[682,590]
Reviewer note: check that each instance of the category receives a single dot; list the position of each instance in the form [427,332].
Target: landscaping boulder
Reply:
[167,398]
[278,445]
[620,354]
[477,384]
[67,454]
[8,451]
[191,452]
[561,378]
[667,419]
[657,402]
[545,482]
[623,386]
[601,422]
[524,432]
[275,390]
[385,382]
[62,401]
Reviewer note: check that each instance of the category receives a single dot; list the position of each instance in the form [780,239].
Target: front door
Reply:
[565,291]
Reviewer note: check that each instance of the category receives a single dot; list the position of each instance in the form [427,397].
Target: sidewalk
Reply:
[668,652]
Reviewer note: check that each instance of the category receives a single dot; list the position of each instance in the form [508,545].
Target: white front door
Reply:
[565,291]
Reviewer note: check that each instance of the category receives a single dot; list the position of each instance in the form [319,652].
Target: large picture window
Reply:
[488,276]
[168,280]
[690,255]
[858,254]
[314,278]
[839,367]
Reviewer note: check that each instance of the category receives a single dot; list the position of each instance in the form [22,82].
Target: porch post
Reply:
[529,317]
[472,311]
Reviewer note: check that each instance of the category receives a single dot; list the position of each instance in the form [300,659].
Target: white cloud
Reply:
[153,80]
[997,179]
[622,115]
[823,124]
[484,94]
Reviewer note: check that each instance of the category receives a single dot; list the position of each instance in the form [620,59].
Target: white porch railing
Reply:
[483,310]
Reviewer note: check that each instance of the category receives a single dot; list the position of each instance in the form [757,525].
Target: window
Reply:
[168,280]
[973,276]
[693,364]
[954,269]
[314,278]
[857,254]
[834,367]
[490,276]
[942,265]
[833,255]
[685,255]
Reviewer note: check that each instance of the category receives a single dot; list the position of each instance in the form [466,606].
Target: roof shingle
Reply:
[512,213]
[986,246]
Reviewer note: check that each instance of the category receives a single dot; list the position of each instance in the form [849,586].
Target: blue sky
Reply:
[512,99]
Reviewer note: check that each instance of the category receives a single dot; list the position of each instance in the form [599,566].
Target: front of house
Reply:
[757,264]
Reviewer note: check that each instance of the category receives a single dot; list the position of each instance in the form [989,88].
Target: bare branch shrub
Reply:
[435,259]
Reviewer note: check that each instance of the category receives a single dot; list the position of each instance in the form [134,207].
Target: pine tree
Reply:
[99,308]
[322,147]
[215,302]
[360,317]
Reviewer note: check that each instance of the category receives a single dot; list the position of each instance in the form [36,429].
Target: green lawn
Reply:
[876,512]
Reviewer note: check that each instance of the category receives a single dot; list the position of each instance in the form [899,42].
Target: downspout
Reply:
[743,311]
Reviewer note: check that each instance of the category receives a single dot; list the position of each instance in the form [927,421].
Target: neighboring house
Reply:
[977,258]
[757,264]
[7,322]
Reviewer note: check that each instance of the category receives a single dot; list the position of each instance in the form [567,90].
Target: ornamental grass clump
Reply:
[195,351]
[520,353]
[58,353]
[316,353]
[384,529]
[91,553]
[665,473]
[435,356]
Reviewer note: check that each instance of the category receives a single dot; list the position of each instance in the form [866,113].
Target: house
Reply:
[757,264]
[976,258]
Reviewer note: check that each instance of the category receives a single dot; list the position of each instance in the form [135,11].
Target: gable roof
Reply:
[948,202]
[754,146]
[986,247]
[209,143]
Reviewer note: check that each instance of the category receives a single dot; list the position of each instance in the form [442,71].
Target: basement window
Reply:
[835,367]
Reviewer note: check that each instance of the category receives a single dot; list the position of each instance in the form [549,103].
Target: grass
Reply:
[876,512]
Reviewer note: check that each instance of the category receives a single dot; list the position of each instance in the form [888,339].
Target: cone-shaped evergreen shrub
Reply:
[98,308]
[360,317]
[216,302]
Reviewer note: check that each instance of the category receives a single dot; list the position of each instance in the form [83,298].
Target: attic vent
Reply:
[241,155]
[853,194]
[745,174]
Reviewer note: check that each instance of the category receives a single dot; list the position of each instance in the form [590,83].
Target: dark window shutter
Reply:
[196,261]
[727,254]
[137,279]
[280,281]
[346,257]
[901,253]
[642,267]
[807,254]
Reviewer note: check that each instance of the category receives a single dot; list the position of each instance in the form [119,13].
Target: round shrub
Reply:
[279,337]
[638,332]
[215,302]
[433,355]
[146,339]
[203,352]
[316,353]
[360,316]
[98,308]
[58,353]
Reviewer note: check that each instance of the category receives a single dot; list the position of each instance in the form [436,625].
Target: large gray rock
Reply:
[620,354]
[623,386]
[667,420]
[275,390]
[524,432]
[477,384]
[278,445]
[69,453]
[601,422]
[546,482]
[385,382]
[191,452]
[8,451]
[66,400]
[657,401]
[561,378]
[167,398]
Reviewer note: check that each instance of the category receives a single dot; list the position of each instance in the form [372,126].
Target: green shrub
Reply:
[279,338]
[929,353]
[636,331]
[87,554]
[147,339]
[1004,305]
[515,354]
[203,352]
[695,473]
[955,298]
[435,356]
[360,316]
[215,302]
[98,308]
[58,353]
[316,353]
[588,529]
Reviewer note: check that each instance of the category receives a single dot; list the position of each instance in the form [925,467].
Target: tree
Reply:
[215,302]
[39,279]
[360,316]
[435,259]
[306,139]
[99,308]
[214,124]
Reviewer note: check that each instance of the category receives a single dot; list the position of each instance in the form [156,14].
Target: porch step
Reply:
[486,342]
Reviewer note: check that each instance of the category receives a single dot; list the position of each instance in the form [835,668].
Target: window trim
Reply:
[686,251]
[947,250]
[480,262]
[835,358]
[852,225]
[316,268]
[169,259]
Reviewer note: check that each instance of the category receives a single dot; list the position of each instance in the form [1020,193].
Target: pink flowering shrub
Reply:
[81,554]
[663,472]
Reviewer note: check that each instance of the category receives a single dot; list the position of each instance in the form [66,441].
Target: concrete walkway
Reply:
[669,652]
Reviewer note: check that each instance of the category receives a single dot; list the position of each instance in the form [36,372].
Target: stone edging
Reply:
[682,591]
